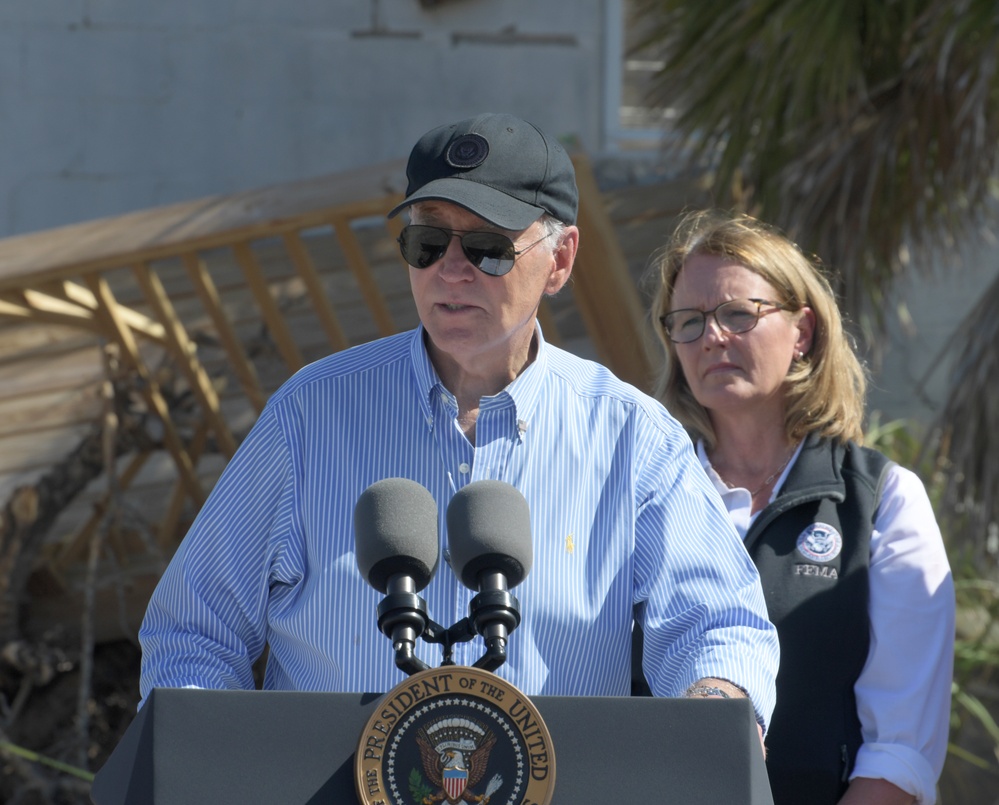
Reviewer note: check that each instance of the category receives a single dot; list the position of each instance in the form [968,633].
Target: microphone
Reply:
[397,548]
[489,540]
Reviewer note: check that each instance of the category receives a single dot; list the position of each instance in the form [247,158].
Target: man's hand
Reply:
[713,688]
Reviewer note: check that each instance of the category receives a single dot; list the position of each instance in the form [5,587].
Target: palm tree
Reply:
[869,131]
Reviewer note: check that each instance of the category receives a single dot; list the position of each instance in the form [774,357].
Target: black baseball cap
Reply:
[497,166]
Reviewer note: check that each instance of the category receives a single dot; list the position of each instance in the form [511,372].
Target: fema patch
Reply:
[467,151]
[820,543]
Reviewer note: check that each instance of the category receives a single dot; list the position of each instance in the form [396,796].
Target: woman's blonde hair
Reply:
[825,389]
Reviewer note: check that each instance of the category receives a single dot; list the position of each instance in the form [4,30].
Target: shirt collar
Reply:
[524,391]
[423,370]
[738,502]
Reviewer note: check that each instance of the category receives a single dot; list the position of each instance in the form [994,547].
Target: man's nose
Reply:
[455,265]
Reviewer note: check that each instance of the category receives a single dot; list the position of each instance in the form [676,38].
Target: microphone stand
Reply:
[493,613]
[461,632]
[402,616]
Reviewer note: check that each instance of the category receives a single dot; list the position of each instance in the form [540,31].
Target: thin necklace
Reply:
[770,478]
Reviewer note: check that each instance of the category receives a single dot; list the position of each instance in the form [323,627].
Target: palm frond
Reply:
[867,130]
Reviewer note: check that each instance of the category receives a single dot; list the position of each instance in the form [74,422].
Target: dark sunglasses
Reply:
[490,252]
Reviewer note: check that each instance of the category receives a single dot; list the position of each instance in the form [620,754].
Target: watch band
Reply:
[703,691]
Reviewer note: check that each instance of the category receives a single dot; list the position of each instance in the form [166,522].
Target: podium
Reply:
[187,747]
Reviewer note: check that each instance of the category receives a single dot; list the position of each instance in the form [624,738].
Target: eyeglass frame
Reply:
[705,313]
[460,233]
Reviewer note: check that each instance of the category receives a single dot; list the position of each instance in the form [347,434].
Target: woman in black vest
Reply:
[759,369]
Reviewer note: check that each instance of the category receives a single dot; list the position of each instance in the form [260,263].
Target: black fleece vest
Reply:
[812,546]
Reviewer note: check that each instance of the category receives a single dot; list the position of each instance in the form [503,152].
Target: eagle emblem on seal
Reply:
[455,754]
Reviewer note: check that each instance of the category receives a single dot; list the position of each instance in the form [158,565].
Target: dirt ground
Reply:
[47,725]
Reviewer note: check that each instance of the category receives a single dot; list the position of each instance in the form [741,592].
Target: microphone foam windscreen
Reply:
[489,528]
[395,531]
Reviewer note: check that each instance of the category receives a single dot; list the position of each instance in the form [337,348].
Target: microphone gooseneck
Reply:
[397,549]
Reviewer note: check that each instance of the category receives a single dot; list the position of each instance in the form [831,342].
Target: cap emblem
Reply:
[467,151]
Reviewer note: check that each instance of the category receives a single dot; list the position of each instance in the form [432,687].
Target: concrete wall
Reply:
[108,106]
[912,378]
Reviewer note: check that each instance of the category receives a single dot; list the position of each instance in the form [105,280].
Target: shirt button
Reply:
[463,468]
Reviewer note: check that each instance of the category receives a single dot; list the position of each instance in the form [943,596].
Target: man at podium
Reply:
[623,520]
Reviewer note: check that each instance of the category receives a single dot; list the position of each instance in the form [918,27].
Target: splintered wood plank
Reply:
[185,354]
[27,339]
[315,290]
[362,271]
[69,251]
[605,291]
[139,323]
[154,397]
[236,354]
[48,410]
[40,307]
[66,371]
[272,315]
[29,451]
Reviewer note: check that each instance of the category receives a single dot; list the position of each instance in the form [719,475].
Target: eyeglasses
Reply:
[735,316]
[490,252]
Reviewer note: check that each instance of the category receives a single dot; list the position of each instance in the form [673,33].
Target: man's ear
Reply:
[564,256]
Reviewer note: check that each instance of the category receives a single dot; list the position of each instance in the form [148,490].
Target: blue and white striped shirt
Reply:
[621,515]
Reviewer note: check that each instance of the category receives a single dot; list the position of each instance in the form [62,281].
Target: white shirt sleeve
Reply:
[903,693]
[904,690]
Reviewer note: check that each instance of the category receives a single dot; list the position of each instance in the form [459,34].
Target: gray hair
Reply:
[554,230]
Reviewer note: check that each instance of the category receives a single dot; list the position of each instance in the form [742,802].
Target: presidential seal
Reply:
[454,735]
